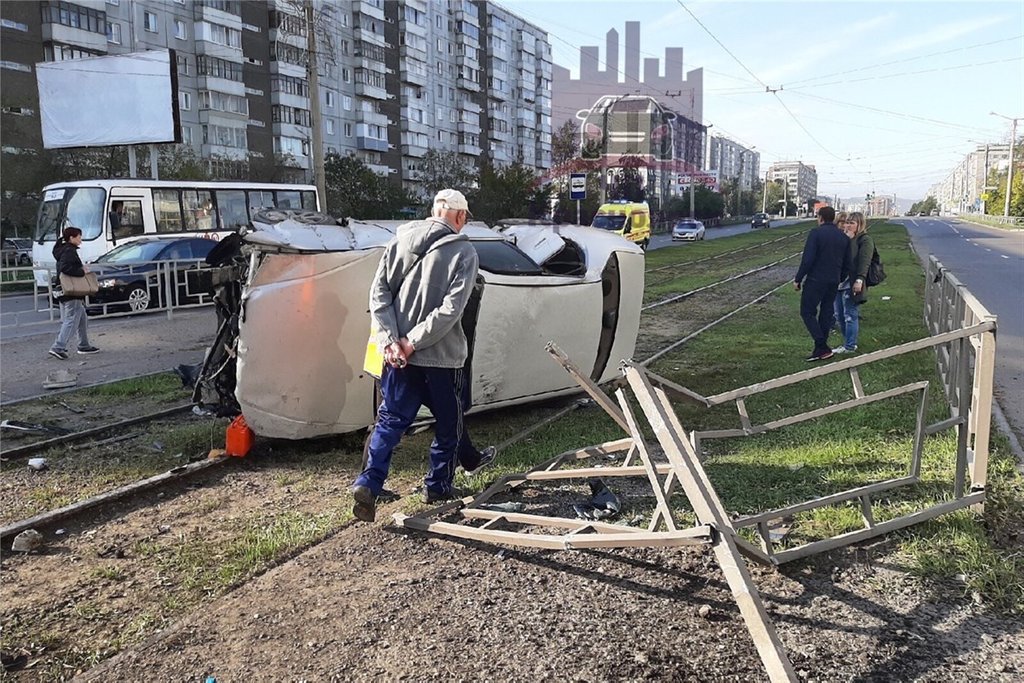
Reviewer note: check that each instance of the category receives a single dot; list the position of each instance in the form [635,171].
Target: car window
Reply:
[178,251]
[132,252]
[505,259]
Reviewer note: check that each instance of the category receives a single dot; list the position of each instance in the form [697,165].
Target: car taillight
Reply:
[592,131]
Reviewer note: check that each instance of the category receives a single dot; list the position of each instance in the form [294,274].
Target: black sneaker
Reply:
[430,496]
[60,355]
[85,350]
[487,456]
[365,507]
[819,355]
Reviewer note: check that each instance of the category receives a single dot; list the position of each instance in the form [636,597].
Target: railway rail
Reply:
[666,341]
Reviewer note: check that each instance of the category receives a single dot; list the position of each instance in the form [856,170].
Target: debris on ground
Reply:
[37,464]
[19,426]
[603,504]
[27,541]
[510,506]
[60,379]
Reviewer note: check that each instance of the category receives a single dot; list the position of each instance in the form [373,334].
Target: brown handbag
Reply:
[87,285]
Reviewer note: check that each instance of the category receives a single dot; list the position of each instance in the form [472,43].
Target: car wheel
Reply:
[25,260]
[138,298]
[643,245]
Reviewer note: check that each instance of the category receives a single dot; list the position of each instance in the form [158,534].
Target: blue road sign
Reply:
[577,186]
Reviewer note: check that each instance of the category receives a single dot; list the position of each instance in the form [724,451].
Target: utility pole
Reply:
[1009,168]
[764,195]
[313,76]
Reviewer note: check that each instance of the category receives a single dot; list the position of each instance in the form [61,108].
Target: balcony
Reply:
[495,94]
[471,150]
[414,151]
[469,127]
[469,105]
[369,9]
[499,154]
[500,135]
[467,84]
[371,91]
[369,36]
[466,60]
[411,174]
[414,72]
[77,37]
[383,170]
[372,144]
[372,117]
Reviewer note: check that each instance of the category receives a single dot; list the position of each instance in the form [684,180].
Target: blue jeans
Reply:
[404,391]
[72,318]
[848,317]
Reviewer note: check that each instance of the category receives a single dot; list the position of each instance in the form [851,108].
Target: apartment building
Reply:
[396,78]
[733,161]
[801,180]
[963,189]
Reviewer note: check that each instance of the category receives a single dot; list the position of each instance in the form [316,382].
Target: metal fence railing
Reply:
[143,287]
[966,368]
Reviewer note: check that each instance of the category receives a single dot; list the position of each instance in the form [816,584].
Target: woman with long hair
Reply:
[853,291]
[72,308]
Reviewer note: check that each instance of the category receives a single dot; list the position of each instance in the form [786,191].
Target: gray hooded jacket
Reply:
[423,299]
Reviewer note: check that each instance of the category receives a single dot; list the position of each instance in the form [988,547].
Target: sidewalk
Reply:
[129,346]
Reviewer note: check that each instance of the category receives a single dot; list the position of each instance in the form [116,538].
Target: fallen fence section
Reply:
[972,349]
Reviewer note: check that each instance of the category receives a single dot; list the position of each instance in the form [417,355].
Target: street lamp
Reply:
[1009,168]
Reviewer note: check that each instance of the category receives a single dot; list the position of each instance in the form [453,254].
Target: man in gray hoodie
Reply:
[417,298]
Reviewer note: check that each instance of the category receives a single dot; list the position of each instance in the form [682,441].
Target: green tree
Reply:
[565,143]
[440,170]
[925,206]
[354,191]
[565,209]
[626,182]
[508,192]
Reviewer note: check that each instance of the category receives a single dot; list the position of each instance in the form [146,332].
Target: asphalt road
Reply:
[990,262]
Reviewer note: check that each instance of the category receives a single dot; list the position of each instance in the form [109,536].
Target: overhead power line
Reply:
[721,45]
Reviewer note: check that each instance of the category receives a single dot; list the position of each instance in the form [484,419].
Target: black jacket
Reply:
[824,258]
[68,263]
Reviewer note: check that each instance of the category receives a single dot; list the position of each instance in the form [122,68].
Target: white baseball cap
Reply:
[451,199]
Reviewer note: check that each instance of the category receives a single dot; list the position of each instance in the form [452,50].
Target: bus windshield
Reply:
[609,222]
[80,207]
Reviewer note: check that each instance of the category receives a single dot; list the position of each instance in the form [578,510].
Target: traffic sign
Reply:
[577,186]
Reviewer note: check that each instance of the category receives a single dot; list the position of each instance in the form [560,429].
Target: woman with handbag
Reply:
[72,301]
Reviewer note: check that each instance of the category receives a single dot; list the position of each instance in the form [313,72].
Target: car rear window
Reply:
[505,259]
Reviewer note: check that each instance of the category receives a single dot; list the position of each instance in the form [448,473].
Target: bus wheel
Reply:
[138,298]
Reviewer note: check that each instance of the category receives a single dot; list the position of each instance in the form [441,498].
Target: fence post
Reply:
[981,411]
[168,267]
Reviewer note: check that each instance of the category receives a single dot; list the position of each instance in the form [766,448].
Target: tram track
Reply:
[663,329]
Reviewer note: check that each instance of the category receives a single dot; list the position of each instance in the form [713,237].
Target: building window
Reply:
[183,65]
[75,16]
[149,20]
[219,68]
[114,33]
[329,126]
[184,101]
[186,135]
[348,130]
[180,31]
[115,3]
[225,136]
[346,103]
[329,99]
[346,74]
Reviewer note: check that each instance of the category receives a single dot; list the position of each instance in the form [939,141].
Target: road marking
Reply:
[986,248]
[1004,256]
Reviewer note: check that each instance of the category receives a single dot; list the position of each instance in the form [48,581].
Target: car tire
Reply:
[138,298]
[643,245]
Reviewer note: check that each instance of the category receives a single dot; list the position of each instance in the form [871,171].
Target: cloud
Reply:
[941,34]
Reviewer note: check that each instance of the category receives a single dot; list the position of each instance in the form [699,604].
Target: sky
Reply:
[882,97]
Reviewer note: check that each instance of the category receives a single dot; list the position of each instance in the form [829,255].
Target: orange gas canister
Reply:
[239,439]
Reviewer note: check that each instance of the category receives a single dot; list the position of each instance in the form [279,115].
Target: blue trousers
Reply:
[817,301]
[445,392]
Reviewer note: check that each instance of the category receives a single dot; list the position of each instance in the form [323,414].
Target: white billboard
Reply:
[114,100]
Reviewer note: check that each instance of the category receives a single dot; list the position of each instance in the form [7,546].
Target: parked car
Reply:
[292,362]
[132,276]
[17,251]
[688,229]
[760,220]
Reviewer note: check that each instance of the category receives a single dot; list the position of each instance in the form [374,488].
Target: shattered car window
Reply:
[505,259]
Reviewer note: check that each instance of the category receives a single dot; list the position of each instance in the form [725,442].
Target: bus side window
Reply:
[309,201]
[231,209]
[199,211]
[168,211]
[288,199]
[126,218]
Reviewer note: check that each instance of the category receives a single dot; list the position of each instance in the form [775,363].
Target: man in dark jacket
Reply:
[821,270]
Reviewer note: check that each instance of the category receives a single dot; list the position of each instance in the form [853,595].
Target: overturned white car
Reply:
[292,296]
